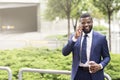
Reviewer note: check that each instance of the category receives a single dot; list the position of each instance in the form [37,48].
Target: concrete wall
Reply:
[22,19]
[21,1]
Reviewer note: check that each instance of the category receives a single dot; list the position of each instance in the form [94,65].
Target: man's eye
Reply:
[88,22]
[83,23]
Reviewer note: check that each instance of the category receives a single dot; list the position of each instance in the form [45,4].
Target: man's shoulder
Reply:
[98,34]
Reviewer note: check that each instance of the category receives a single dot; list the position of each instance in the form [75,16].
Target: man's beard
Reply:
[85,31]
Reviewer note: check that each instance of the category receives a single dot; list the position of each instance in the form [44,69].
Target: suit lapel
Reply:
[93,44]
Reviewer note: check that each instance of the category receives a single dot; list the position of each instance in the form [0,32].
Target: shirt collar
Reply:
[89,34]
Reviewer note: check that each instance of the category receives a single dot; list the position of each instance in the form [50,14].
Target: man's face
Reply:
[86,24]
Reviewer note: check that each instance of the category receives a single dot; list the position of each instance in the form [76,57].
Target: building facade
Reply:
[19,16]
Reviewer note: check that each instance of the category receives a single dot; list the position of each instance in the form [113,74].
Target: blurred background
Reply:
[27,23]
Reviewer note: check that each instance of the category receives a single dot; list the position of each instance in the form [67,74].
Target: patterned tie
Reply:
[84,51]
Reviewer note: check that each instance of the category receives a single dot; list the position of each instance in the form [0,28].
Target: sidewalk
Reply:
[35,39]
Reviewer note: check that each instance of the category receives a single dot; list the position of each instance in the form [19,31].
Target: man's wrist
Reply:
[101,67]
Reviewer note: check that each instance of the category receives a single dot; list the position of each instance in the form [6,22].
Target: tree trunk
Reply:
[109,22]
[68,17]
[74,24]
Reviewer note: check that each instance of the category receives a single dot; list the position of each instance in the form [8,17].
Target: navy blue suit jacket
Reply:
[99,53]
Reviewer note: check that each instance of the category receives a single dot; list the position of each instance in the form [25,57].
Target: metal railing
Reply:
[106,76]
[8,70]
[50,71]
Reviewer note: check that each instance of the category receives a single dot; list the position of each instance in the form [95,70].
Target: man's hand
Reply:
[78,32]
[94,67]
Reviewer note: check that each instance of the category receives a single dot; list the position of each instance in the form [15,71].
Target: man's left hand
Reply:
[94,67]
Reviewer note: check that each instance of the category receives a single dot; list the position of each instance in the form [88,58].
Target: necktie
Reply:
[84,51]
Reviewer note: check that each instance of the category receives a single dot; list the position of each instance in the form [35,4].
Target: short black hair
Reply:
[85,15]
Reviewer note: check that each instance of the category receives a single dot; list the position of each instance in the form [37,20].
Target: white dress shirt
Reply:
[89,42]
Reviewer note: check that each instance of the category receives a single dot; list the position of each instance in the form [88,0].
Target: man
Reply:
[89,50]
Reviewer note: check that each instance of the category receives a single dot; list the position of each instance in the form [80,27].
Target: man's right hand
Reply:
[78,32]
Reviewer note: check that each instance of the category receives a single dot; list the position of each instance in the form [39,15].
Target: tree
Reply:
[70,9]
[85,6]
[108,7]
[61,8]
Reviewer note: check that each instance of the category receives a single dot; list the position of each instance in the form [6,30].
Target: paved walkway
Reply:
[35,39]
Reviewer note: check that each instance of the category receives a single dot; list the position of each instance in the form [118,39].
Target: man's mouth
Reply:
[87,28]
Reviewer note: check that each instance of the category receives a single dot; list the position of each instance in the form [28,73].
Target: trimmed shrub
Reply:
[45,59]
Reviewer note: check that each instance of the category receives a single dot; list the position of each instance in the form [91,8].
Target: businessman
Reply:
[89,49]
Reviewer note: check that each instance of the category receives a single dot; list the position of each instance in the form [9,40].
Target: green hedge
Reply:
[34,58]
[102,29]
[113,68]
[45,59]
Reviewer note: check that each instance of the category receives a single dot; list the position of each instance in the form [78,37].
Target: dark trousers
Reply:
[82,74]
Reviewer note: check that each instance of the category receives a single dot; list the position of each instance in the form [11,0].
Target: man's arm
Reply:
[68,47]
[94,67]
[105,53]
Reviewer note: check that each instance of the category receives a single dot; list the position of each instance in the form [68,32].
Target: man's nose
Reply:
[86,24]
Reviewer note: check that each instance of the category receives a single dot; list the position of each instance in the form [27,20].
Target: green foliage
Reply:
[57,37]
[3,75]
[74,7]
[107,6]
[101,29]
[113,68]
[44,58]
[54,9]
[34,58]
